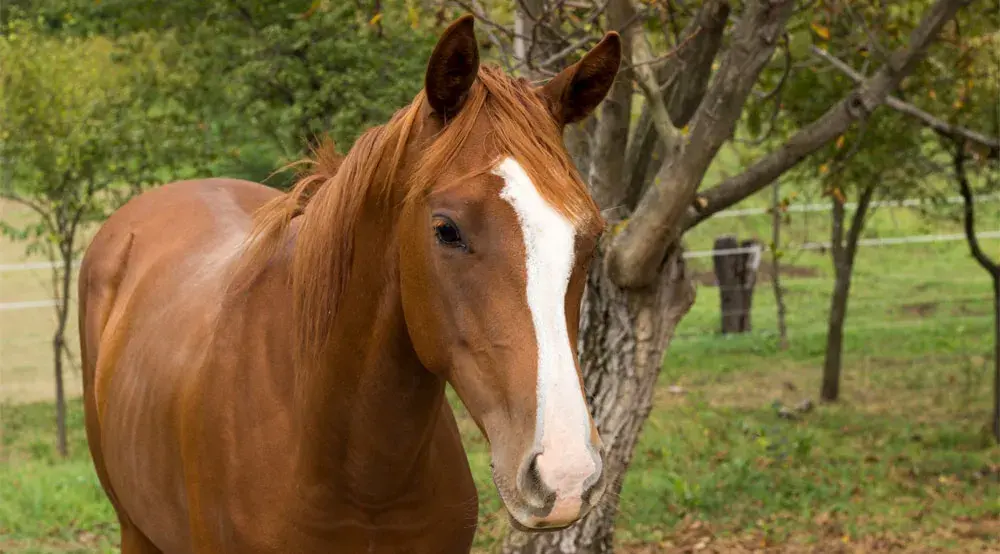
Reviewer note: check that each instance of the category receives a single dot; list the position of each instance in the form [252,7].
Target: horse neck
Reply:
[367,419]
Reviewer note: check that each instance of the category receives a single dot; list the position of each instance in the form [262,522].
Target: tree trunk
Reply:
[59,340]
[623,337]
[57,350]
[996,356]
[779,293]
[969,221]
[843,264]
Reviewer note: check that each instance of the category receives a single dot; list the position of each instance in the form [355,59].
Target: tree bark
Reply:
[607,156]
[779,293]
[969,221]
[59,349]
[843,263]
[623,337]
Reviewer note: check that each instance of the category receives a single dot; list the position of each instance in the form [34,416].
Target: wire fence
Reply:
[917,295]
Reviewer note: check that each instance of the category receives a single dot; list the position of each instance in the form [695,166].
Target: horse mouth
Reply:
[544,529]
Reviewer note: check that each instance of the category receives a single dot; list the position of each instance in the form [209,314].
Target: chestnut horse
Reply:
[266,371]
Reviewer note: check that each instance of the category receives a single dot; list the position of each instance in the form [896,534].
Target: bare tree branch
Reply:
[640,246]
[856,106]
[694,61]
[969,220]
[607,161]
[579,43]
[702,34]
[940,126]
[646,77]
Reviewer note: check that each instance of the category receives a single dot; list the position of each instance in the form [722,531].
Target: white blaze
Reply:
[562,427]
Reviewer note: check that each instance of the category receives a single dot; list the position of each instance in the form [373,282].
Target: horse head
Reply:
[494,245]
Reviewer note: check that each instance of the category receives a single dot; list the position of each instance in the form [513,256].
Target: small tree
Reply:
[891,155]
[969,224]
[80,133]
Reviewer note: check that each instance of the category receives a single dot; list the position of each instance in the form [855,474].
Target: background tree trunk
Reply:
[779,293]
[623,337]
[969,220]
[843,264]
[996,355]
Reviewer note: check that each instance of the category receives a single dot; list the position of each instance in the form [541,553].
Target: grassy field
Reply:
[902,464]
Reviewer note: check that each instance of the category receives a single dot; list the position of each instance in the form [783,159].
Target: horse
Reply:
[265,371]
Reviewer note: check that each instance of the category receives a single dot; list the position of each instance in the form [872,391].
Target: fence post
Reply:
[736,274]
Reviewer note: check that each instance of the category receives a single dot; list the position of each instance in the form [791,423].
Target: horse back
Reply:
[150,290]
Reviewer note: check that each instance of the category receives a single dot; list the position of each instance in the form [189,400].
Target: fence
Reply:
[918,292]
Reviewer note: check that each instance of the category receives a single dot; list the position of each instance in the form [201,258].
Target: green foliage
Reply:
[82,131]
[957,82]
[295,70]
[262,79]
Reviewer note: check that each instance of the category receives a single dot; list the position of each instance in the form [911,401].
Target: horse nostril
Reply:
[529,482]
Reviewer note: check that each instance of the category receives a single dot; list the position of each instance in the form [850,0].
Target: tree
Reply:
[777,210]
[80,133]
[968,204]
[645,173]
[897,155]
[297,69]
[284,72]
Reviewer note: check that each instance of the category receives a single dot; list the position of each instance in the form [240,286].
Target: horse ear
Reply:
[578,89]
[453,67]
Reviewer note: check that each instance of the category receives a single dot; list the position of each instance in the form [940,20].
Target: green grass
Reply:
[904,454]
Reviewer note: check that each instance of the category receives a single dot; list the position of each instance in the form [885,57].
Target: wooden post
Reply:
[736,274]
[749,263]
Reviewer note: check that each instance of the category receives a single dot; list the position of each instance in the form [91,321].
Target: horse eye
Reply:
[447,233]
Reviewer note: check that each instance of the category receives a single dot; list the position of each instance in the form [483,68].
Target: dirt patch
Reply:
[973,308]
[765,274]
[964,535]
[920,309]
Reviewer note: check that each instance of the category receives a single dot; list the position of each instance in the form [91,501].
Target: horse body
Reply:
[265,372]
[180,393]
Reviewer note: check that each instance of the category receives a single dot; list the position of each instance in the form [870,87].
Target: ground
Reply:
[738,454]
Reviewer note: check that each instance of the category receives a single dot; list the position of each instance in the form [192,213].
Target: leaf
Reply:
[414,16]
[798,44]
[840,142]
[820,30]
[312,9]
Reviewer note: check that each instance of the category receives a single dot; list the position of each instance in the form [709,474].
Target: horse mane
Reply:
[330,198]
[273,219]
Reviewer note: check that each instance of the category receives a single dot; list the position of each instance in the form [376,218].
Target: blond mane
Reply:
[330,198]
